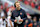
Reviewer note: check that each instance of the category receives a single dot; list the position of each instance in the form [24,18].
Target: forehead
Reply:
[18,3]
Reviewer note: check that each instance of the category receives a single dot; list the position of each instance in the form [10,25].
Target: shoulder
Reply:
[23,10]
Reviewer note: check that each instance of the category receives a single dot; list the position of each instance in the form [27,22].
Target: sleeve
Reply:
[25,16]
[12,17]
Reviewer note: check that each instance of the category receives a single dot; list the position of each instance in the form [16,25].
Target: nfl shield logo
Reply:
[20,13]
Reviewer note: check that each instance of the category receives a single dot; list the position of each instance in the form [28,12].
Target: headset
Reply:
[14,5]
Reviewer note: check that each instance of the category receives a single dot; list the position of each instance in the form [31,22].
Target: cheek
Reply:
[19,5]
[16,5]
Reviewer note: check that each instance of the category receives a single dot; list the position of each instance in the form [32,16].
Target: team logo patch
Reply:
[20,13]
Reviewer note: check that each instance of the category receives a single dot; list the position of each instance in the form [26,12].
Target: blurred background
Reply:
[32,8]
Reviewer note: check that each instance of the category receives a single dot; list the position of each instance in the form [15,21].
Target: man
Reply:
[1,22]
[39,23]
[35,21]
[8,19]
[3,19]
[18,12]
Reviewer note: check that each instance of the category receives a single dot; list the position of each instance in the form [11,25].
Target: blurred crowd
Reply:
[32,3]
[5,15]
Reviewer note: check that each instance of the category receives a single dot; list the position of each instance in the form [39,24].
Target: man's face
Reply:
[34,19]
[17,5]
